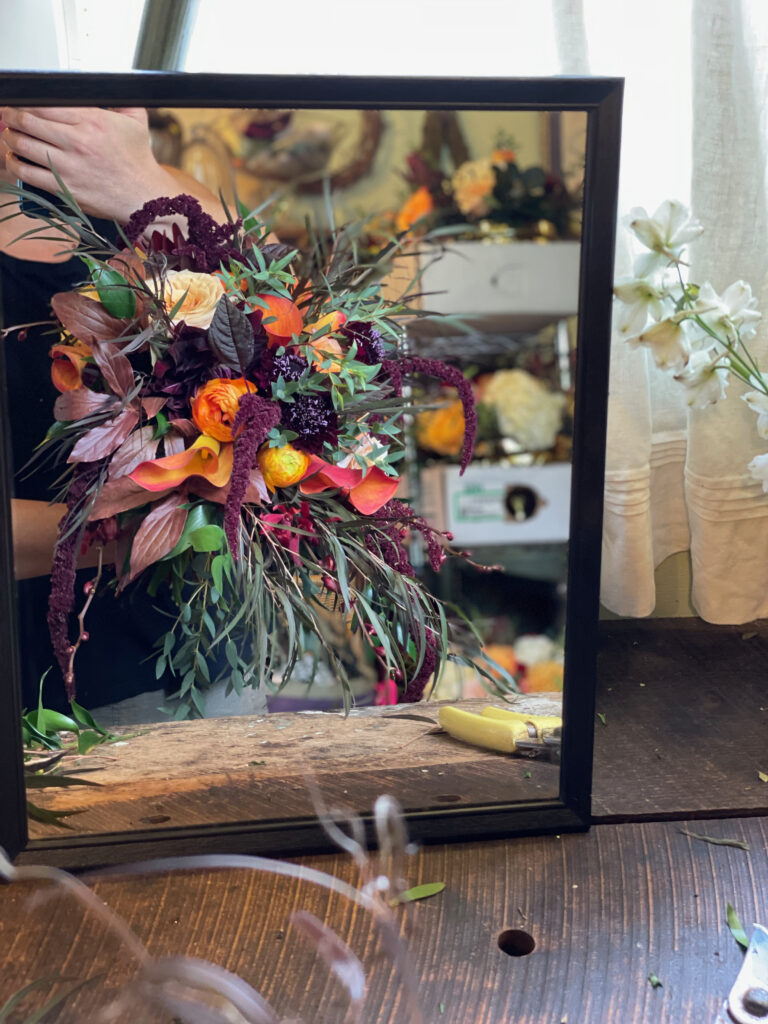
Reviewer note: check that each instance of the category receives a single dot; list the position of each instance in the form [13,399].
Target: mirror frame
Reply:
[601,100]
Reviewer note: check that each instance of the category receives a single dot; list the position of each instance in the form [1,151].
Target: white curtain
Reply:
[695,108]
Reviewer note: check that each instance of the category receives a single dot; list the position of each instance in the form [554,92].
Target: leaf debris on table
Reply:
[736,927]
[714,841]
[418,892]
[655,981]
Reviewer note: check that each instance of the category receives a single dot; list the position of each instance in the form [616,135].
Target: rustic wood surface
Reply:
[606,909]
[251,768]
[686,720]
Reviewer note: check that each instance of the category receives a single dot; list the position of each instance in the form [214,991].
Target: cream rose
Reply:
[203,292]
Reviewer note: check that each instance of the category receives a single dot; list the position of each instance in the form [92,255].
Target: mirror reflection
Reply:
[465,228]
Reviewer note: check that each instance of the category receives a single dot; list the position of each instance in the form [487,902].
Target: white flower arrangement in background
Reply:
[694,333]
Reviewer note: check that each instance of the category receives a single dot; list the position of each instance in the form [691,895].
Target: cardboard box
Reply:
[499,504]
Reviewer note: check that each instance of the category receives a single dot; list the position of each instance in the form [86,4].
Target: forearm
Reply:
[35,531]
[48,244]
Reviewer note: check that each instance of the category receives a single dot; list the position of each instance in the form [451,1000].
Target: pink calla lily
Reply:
[206,457]
[367,492]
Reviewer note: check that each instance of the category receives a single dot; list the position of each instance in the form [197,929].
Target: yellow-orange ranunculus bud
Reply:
[203,292]
[215,406]
[282,466]
[414,208]
[67,365]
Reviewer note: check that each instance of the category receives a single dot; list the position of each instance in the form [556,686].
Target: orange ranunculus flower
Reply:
[203,292]
[67,365]
[281,317]
[413,209]
[205,457]
[282,466]
[215,405]
[442,430]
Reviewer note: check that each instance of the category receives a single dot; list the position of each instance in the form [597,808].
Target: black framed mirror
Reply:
[521,297]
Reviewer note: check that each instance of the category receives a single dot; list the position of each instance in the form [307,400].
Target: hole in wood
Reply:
[448,798]
[516,942]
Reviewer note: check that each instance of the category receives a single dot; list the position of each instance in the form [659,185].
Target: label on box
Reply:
[477,505]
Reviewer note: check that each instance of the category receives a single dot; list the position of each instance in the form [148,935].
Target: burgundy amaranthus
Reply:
[61,598]
[256,416]
[206,244]
[398,368]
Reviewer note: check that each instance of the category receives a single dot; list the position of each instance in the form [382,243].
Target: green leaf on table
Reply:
[763,776]
[86,718]
[47,721]
[601,716]
[87,739]
[47,817]
[418,892]
[654,980]
[736,927]
[35,781]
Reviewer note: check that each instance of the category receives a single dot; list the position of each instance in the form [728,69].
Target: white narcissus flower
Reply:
[639,298]
[758,467]
[705,377]
[758,403]
[668,340]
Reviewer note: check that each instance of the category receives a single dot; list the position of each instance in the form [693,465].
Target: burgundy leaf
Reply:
[79,403]
[115,368]
[187,428]
[230,336]
[158,533]
[152,406]
[85,318]
[138,447]
[120,495]
[103,440]
[173,443]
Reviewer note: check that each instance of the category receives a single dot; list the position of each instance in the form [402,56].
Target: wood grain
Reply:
[686,712]
[251,768]
[605,909]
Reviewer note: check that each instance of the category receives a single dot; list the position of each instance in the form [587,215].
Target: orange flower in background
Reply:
[215,406]
[442,430]
[206,457]
[282,466]
[419,205]
[504,656]
[200,292]
[67,365]
[333,321]
[543,677]
[503,156]
[281,317]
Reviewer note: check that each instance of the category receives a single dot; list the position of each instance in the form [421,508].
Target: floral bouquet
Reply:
[489,195]
[233,424]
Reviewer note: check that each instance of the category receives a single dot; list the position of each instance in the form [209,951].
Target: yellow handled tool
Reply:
[508,732]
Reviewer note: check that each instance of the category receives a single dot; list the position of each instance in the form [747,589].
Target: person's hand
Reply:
[102,156]
[7,177]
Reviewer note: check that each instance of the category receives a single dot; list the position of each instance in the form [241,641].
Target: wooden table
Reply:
[633,897]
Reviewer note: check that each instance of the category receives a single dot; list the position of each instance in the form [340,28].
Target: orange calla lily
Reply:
[281,317]
[206,457]
[367,492]
[67,365]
